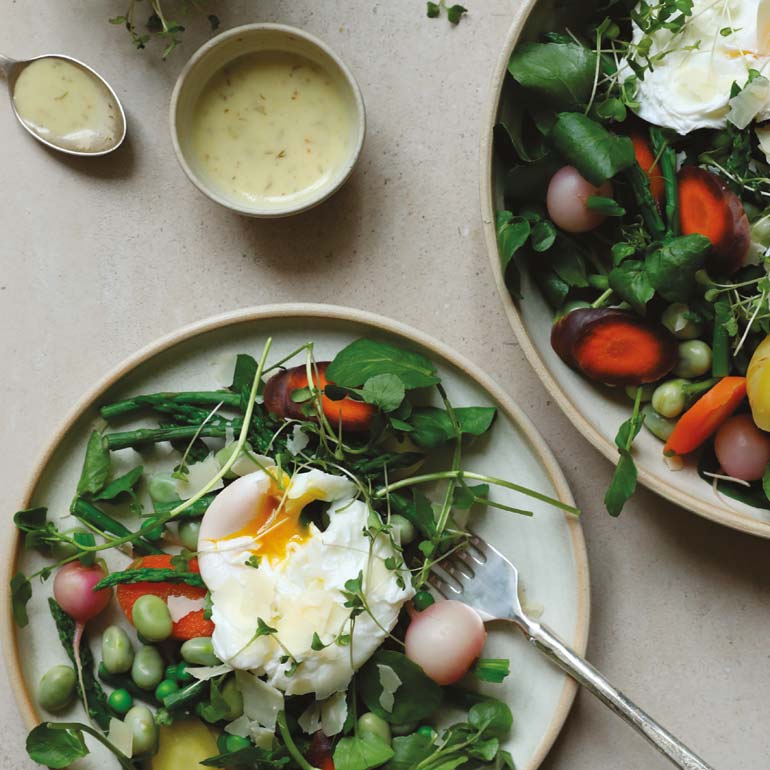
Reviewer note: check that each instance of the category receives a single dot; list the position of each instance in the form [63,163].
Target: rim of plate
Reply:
[652,480]
[333,313]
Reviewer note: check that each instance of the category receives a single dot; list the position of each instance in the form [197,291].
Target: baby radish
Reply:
[743,450]
[567,201]
[445,639]
[73,589]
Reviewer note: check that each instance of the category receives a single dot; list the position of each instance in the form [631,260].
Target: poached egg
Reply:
[689,88]
[277,583]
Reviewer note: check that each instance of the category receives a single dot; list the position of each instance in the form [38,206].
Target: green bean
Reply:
[640,185]
[720,348]
[147,668]
[57,688]
[151,618]
[667,156]
[200,652]
[117,651]
[143,730]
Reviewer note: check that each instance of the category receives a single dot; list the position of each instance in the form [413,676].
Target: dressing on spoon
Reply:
[67,106]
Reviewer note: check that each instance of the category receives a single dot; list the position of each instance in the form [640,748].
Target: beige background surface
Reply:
[99,258]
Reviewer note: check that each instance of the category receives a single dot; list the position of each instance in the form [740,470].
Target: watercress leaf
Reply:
[21,593]
[434,10]
[475,420]
[416,699]
[513,136]
[96,465]
[623,484]
[30,519]
[492,717]
[587,145]
[433,426]
[492,669]
[122,485]
[54,747]
[409,751]
[385,391]
[361,753]
[607,206]
[455,12]
[397,424]
[543,235]
[365,358]
[629,280]
[562,74]
[485,749]
[672,266]
[418,510]
[568,263]
[217,708]
[465,496]
[512,233]
[554,289]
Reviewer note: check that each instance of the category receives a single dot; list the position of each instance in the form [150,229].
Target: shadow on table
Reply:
[315,241]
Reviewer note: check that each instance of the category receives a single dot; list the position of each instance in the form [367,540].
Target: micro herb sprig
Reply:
[454,13]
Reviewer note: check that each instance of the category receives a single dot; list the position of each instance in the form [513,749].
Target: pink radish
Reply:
[73,589]
[743,450]
[445,639]
[567,201]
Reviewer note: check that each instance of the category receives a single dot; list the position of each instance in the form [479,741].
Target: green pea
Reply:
[117,651]
[612,32]
[56,688]
[188,534]
[200,652]
[182,674]
[422,600]
[403,529]
[427,731]
[120,701]
[162,488]
[657,425]
[147,668]
[166,688]
[61,550]
[371,724]
[668,400]
[676,319]
[143,730]
[151,618]
[694,359]
[236,743]
[233,698]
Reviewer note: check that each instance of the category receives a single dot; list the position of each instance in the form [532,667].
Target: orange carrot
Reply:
[646,159]
[703,418]
[191,625]
[320,752]
[708,207]
[354,415]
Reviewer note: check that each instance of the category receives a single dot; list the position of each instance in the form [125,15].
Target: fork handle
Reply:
[584,673]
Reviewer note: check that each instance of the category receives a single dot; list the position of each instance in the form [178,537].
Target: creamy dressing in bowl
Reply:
[271,126]
[67,105]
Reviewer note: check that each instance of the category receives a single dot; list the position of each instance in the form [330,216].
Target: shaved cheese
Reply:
[222,369]
[204,673]
[310,719]
[334,712]
[239,727]
[181,606]
[298,440]
[750,102]
[261,737]
[390,682]
[261,702]
[121,737]
[199,475]
[248,462]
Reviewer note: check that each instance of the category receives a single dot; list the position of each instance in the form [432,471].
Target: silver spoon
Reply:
[11,69]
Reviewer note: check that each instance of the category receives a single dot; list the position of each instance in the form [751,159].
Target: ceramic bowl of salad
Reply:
[625,188]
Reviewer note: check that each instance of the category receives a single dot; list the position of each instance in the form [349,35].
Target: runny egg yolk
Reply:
[277,519]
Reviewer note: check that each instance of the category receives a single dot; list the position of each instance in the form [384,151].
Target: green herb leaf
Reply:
[623,484]
[543,235]
[361,753]
[560,73]
[55,748]
[455,13]
[419,511]
[96,466]
[671,267]
[122,485]
[385,391]
[629,280]
[409,751]
[365,358]
[434,10]
[492,717]
[606,206]
[512,233]
[492,669]
[465,496]
[21,593]
[433,426]
[588,146]
[416,699]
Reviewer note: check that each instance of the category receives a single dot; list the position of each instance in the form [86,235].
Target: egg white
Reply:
[300,594]
[690,89]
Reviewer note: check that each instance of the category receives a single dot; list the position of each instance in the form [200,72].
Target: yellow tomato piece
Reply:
[758,384]
[184,745]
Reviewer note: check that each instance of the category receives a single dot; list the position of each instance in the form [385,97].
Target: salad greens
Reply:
[404,430]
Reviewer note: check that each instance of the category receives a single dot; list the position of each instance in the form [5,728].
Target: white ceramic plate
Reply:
[548,548]
[595,411]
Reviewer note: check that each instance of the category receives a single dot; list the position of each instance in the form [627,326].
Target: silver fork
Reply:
[483,578]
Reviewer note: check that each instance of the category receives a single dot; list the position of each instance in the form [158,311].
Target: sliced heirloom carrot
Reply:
[613,346]
[192,625]
[353,415]
[703,418]
[646,159]
[320,752]
[708,207]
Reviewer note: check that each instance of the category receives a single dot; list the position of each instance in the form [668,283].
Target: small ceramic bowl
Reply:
[224,49]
